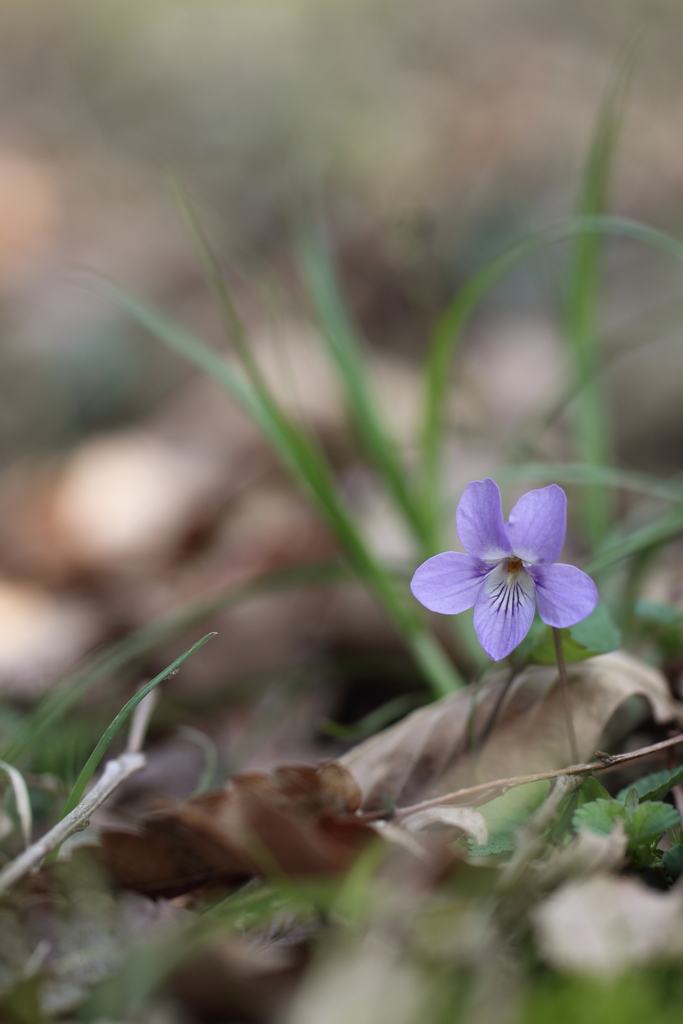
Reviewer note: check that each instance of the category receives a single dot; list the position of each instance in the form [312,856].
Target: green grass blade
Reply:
[232,321]
[142,642]
[345,349]
[639,331]
[307,465]
[449,328]
[591,424]
[591,475]
[614,549]
[98,753]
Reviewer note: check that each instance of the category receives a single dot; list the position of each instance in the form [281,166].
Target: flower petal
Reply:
[565,594]
[479,519]
[504,610]
[538,523]
[449,583]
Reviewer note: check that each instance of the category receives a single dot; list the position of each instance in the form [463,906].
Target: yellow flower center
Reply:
[514,565]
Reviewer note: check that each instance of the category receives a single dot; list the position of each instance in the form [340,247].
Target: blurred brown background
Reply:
[431,134]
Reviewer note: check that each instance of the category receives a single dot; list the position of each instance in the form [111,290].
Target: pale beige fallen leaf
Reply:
[297,368]
[401,837]
[603,925]
[40,635]
[128,496]
[369,983]
[468,819]
[426,753]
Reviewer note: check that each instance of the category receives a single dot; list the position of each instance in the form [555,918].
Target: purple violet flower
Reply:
[508,568]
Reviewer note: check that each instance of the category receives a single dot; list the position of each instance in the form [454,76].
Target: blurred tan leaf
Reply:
[128,496]
[40,634]
[604,925]
[426,754]
[370,983]
[468,819]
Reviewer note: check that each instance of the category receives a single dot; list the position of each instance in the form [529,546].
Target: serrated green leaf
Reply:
[647,822]
[598,632]
[591,790]
[599,816]
[673,860]
[653,786]
[650,820]
[507,813]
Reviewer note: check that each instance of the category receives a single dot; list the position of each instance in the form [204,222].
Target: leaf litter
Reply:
[439,868]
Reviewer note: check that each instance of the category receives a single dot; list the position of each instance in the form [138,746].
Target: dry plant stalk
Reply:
[606,761]
[115,772]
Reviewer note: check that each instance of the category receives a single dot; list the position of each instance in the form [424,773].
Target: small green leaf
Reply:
[506,814]
[597,633]
[591,790]
[653,786]
[673,860]
[643,822]
[598,816]
[650,820]
[543,651]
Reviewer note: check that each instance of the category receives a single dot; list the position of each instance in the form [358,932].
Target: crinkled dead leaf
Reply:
[426,754]
[299,821]
[604,925]
[468,819]
[417,832]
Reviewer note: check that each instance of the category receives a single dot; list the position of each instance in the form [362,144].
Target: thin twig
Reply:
[606,761]
[115,772]
[140,721]
[562,669]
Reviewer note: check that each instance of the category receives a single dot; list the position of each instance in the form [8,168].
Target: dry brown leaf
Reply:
[236,978]
[426,754]
[297,822]
[603,925]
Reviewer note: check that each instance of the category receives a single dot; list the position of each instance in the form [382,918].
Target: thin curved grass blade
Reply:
[142,642]
[345,349]
[583,332]
[308,466]
[449,328]
[592,475]
[98,753]
[619,547]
